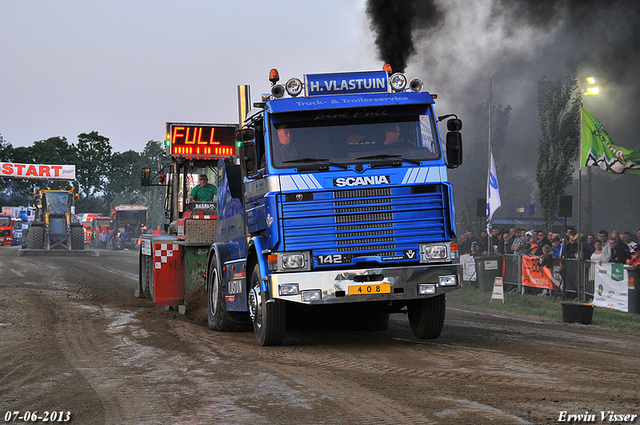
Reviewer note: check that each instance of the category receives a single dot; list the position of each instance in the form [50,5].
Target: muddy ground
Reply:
[74,339]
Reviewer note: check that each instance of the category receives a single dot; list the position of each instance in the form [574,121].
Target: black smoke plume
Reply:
[395,22]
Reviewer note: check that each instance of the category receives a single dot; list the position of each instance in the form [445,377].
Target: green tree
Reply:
[6,154]
[93,155]
[5,150]
[559,118]
[123,176]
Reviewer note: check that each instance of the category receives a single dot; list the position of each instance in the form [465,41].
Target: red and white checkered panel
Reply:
[164,251]
[168,276]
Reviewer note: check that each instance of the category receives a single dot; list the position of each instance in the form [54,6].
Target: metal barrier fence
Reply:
[574,286]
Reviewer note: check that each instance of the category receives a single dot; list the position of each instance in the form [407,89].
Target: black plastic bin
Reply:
[577,313]
[487,269]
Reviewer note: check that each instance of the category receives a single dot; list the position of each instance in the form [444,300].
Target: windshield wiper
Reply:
[315,161]
[386,156]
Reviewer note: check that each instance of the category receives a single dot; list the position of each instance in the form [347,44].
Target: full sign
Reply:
[201,140]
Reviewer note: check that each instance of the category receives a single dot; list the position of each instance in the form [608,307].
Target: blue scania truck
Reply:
[335,202]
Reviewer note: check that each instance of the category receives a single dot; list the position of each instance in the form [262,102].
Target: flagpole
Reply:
[580,247]
[489,247]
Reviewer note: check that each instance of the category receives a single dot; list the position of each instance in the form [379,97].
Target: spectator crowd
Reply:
[621,248]
[112,240]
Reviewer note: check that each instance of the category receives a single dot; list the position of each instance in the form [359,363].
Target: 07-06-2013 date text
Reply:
[46,416]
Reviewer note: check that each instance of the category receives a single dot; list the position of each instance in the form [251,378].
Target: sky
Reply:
[124,68]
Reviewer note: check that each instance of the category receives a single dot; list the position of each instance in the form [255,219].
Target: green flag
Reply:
[597,149]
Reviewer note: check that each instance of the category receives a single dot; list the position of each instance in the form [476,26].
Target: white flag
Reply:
[493,192]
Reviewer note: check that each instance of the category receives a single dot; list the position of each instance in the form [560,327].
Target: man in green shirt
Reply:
[204,192]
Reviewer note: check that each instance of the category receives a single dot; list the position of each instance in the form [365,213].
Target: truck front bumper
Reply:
[372,284]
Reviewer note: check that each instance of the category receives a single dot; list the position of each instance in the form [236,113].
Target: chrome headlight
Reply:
[290,261]
[293,87]
[398,82]
[434,252]
[449,280]
[288,289]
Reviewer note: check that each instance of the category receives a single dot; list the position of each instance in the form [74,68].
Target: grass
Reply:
[541,307]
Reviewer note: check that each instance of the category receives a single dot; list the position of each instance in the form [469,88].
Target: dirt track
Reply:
[73,338]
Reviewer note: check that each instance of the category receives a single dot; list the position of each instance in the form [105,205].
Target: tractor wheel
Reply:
[77,238]
[218,317]
[35,240]
[149,265]
[143,276]
[269,315]
[426,316]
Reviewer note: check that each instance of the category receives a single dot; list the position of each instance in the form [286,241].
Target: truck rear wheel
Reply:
[218,317]
[35,239]
[269,315]
[426,316]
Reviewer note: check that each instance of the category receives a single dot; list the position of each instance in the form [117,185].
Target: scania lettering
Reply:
[361,181]
[335,200]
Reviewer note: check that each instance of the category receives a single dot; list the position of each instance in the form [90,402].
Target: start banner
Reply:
[37,171]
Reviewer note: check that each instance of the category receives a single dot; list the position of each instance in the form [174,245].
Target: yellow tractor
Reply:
[56,225]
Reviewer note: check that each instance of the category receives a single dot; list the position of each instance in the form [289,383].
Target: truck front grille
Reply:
[366,222]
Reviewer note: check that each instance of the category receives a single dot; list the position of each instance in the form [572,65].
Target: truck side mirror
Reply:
[249,155]
[454,143]
[145,177]
[245,135]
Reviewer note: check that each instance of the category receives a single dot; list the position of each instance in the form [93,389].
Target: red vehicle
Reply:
[101,224]
[6,230]
[86,220]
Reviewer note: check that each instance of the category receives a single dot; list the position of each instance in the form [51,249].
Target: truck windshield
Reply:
[352,141]
[5,221]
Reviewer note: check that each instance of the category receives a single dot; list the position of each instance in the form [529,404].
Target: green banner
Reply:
[597,149]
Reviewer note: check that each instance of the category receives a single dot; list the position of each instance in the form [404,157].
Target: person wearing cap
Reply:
[535,249]
[571,247]
[634,261]
[531,243]
[204,192]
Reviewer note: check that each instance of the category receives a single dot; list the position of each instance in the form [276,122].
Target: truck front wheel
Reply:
[426,316]
[269,315]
